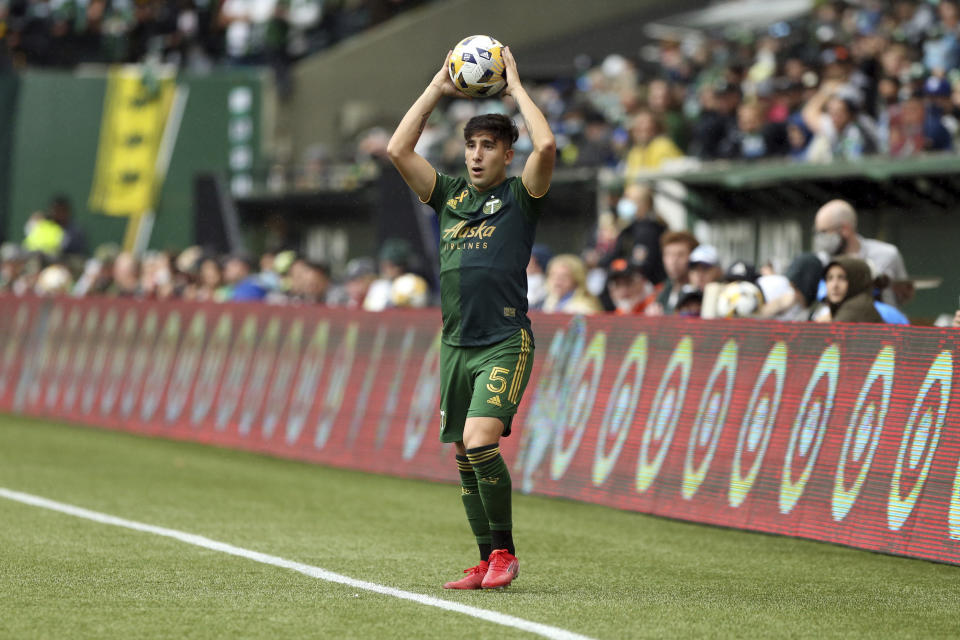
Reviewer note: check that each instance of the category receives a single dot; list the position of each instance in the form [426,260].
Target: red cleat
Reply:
[504,567]
[473,580]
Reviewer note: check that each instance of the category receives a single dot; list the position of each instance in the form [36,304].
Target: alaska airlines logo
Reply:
[461,230]
[454,201]
[492,205]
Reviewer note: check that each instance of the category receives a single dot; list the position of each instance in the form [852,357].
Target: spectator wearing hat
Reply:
[357,278]
[796,301]
[704,266]
[630,287]
[689,301]
[741,271]
[675,247]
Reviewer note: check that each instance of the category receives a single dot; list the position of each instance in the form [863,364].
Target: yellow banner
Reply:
[134,115]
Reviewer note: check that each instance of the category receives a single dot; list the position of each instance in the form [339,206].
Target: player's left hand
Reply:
[510,72]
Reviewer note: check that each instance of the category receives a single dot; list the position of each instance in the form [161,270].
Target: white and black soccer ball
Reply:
[476,66]
[739,300]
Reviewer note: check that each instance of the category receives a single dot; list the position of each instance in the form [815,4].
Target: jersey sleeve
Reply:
[532,207]
[441,191]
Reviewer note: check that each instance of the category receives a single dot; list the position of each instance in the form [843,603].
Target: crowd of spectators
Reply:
[194,34]
[650,270]
[847,80]
[53,260]
[643,269]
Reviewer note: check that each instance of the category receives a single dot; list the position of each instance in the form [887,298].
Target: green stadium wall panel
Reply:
[841,433]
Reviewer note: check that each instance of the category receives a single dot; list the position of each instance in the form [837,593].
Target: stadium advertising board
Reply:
[843,433]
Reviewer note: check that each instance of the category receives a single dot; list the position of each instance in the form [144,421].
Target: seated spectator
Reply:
[567,287]
[832,115]
[236,268]
[359,275]
[661,100]
[126,277]
[631,290]
[650,146]
[835,234]
[914,130]
[797,301]
[210,280]
[715,121]
[741,271]
[798,138]
[309,282]
[704,266]
[689,301]
[394,259]
[849,298]
[956,318]
[639,240]
[754,138]
[675,247]
[540,256]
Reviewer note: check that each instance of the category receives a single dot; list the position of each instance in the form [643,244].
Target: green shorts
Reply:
[483,382]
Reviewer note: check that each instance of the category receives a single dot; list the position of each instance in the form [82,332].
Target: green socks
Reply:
[493,482]
[473,504]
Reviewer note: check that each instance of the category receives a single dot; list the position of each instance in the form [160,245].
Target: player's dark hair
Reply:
[499,126]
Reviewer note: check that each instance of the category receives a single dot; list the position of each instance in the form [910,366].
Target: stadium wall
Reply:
[56,131]
[839,433]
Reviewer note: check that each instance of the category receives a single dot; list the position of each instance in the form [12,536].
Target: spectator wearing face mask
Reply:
[835,234]
[639,240]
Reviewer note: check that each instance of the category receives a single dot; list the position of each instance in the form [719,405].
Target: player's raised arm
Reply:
[538,171]
[416,171]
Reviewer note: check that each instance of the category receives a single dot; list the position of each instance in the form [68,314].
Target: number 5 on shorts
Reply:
[497,375]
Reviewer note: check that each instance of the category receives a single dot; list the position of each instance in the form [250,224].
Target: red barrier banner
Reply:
[841,433]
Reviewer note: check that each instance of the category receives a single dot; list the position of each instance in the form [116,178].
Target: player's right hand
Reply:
[443,82]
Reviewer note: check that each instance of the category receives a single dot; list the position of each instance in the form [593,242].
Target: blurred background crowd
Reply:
[843,81]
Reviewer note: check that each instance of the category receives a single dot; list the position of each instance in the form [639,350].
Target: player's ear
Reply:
[508,156]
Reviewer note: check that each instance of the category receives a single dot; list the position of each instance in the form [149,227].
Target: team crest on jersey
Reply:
[492,205]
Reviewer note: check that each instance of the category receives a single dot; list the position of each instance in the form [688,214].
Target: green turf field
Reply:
[587,569]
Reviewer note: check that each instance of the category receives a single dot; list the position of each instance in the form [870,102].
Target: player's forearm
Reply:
[540,134]
[408,132]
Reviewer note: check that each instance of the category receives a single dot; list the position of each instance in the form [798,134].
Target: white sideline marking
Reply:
[314,572]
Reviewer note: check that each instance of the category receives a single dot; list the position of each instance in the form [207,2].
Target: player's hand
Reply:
[443,82]
[510,72]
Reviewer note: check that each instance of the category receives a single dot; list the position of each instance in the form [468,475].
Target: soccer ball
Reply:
[476,66]
[739,300]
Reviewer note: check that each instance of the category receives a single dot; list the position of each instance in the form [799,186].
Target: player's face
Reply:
[837,284]
[487,160]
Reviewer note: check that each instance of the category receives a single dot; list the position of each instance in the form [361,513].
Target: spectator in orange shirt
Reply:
[630,287]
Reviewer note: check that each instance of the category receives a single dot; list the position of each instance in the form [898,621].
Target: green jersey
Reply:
[485,242]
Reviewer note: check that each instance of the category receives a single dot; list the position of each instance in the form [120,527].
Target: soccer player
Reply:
[487,225]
